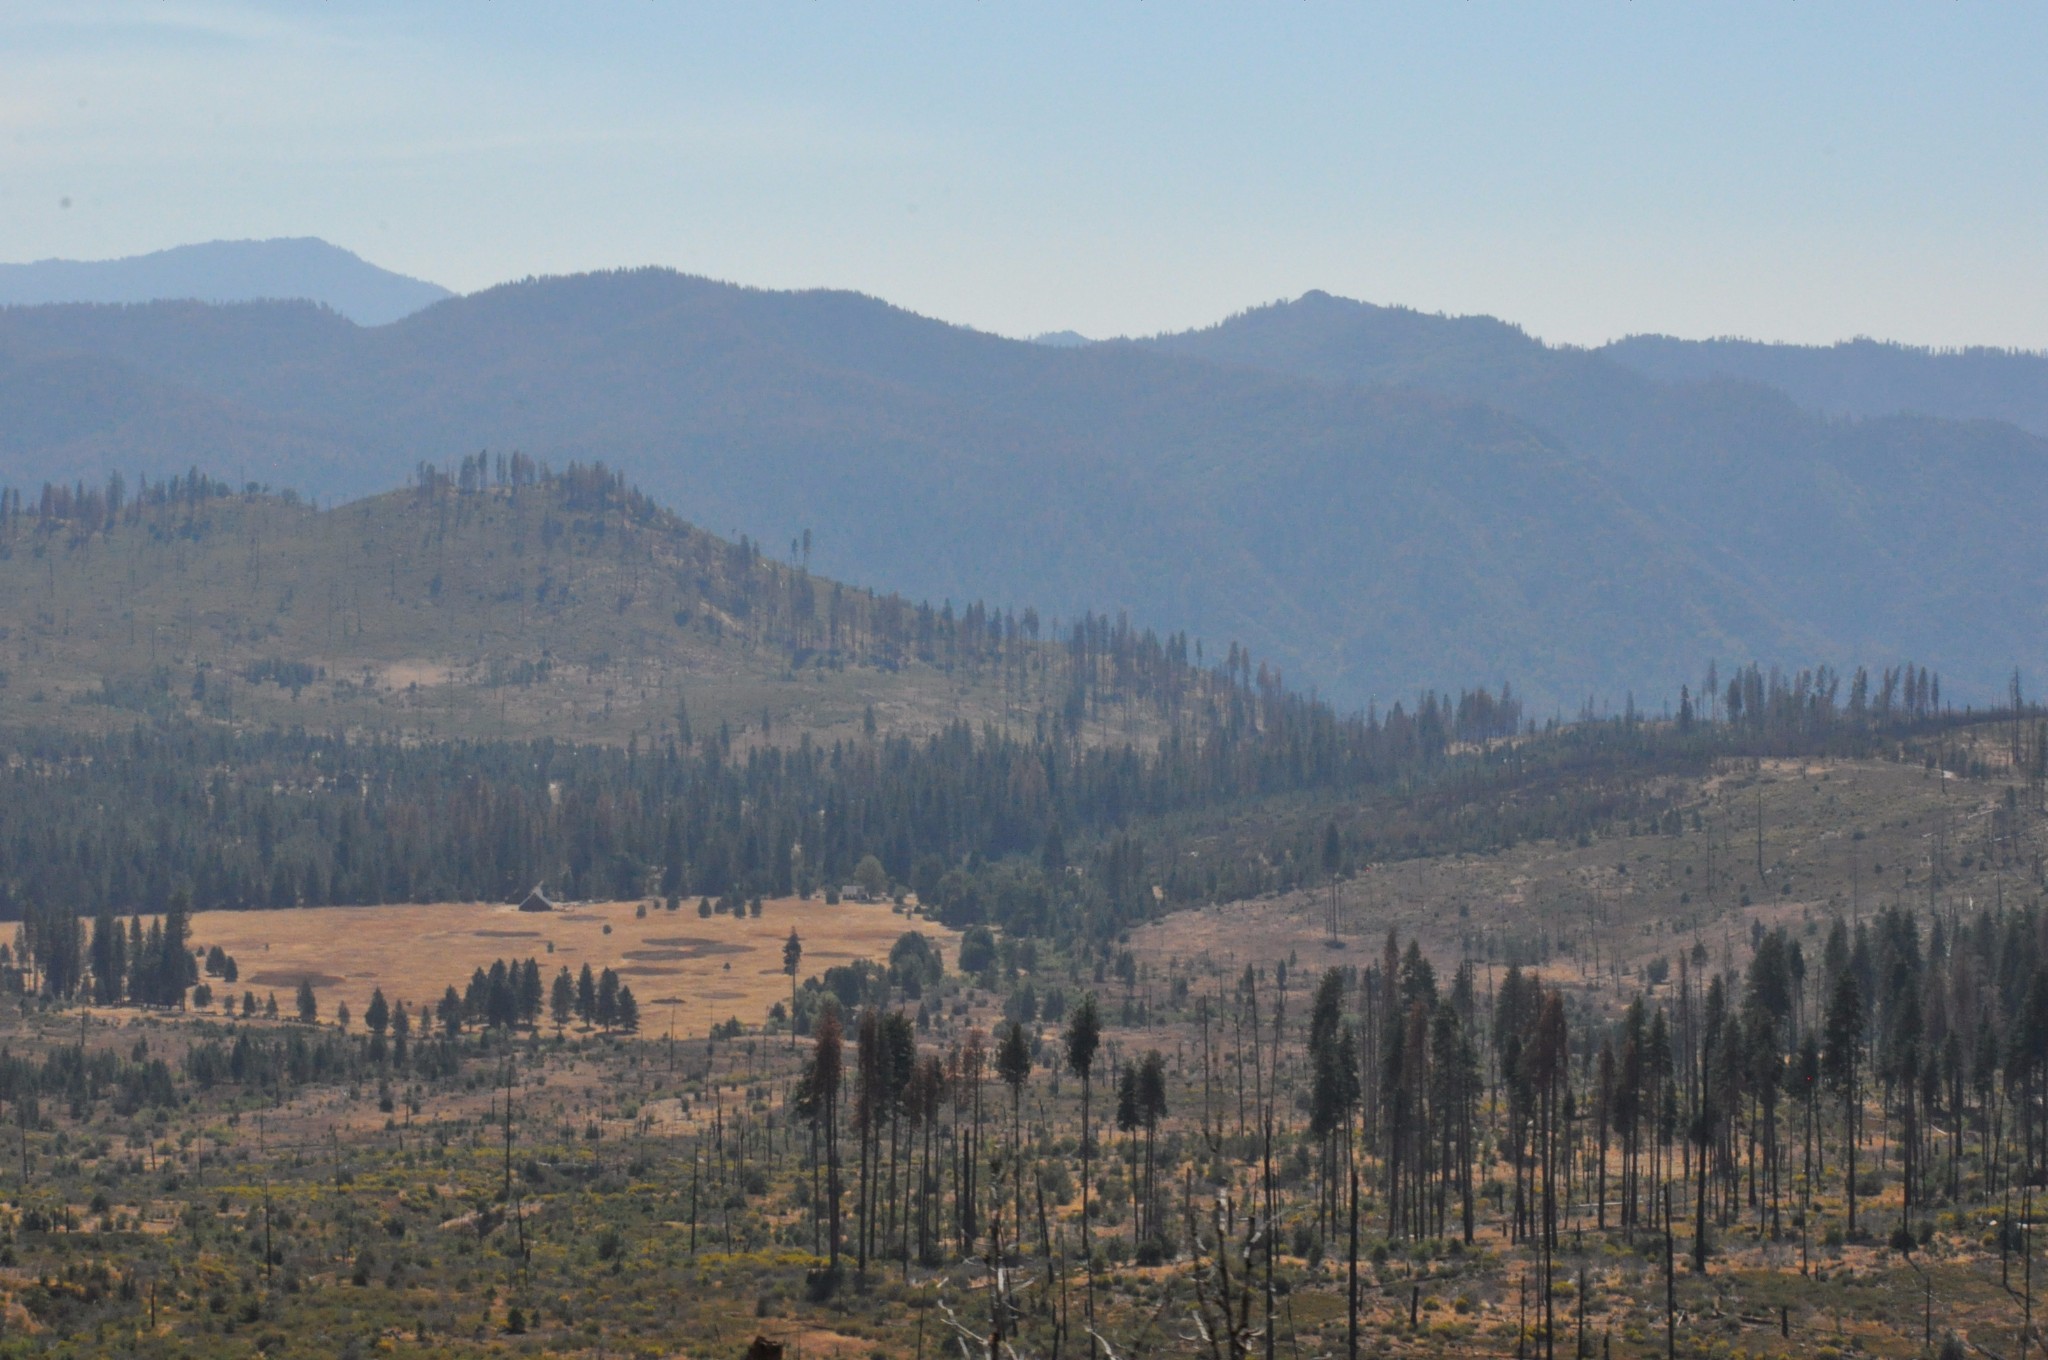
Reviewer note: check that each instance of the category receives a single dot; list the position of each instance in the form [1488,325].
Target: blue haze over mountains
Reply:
[1373,499]
[227,271]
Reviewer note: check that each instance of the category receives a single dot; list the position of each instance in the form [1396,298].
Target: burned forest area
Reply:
[1160,1010]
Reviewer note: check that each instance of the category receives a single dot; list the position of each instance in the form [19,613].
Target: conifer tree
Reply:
[1083,1038]
[1842,1039]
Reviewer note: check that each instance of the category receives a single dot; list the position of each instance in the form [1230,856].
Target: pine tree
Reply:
[823,1080]
[792,955]
[586,995]
[1084,1037]
[1013,1065]
[562,999]
[1842,1047]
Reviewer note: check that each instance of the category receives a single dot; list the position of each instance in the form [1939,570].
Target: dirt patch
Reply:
[694,949]
[696,944]
[819,1342]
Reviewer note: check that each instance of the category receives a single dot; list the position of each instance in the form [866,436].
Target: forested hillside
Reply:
[1903,532]
[499,599]
[1373,501]
[1861,377]
[1364,542]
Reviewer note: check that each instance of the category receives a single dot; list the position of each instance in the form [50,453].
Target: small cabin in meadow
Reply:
[536,901]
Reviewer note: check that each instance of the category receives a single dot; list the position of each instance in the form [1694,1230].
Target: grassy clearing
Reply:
[689,971]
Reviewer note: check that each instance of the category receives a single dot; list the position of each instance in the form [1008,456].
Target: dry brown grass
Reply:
[681,967]
[407,614]
[1841,837]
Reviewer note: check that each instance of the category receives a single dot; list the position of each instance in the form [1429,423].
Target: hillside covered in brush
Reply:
[497,599]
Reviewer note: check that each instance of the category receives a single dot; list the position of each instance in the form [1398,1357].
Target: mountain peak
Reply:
[297,267]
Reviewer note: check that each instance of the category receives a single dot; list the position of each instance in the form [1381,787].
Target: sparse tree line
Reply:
[1097,668]
[1285,1138]
[53,956]
[81,509]
[1812,700]
[75,1079]
[1900,1056]
[1107,660]
[602,1001]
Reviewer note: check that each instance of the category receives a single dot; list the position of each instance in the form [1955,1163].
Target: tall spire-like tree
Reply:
[1013,1065]
[792,955]
[1084,1037]
[1841,1054]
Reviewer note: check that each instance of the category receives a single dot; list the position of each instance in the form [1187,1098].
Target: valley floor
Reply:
[201,1185]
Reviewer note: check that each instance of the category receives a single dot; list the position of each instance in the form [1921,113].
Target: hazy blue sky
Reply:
[1788,171]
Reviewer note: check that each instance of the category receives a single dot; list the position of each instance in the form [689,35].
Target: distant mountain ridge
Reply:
[1372,499]
[1861,377]
[1881,536]
[227,271]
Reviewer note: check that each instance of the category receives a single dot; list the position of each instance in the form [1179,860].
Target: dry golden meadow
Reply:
[695,971]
